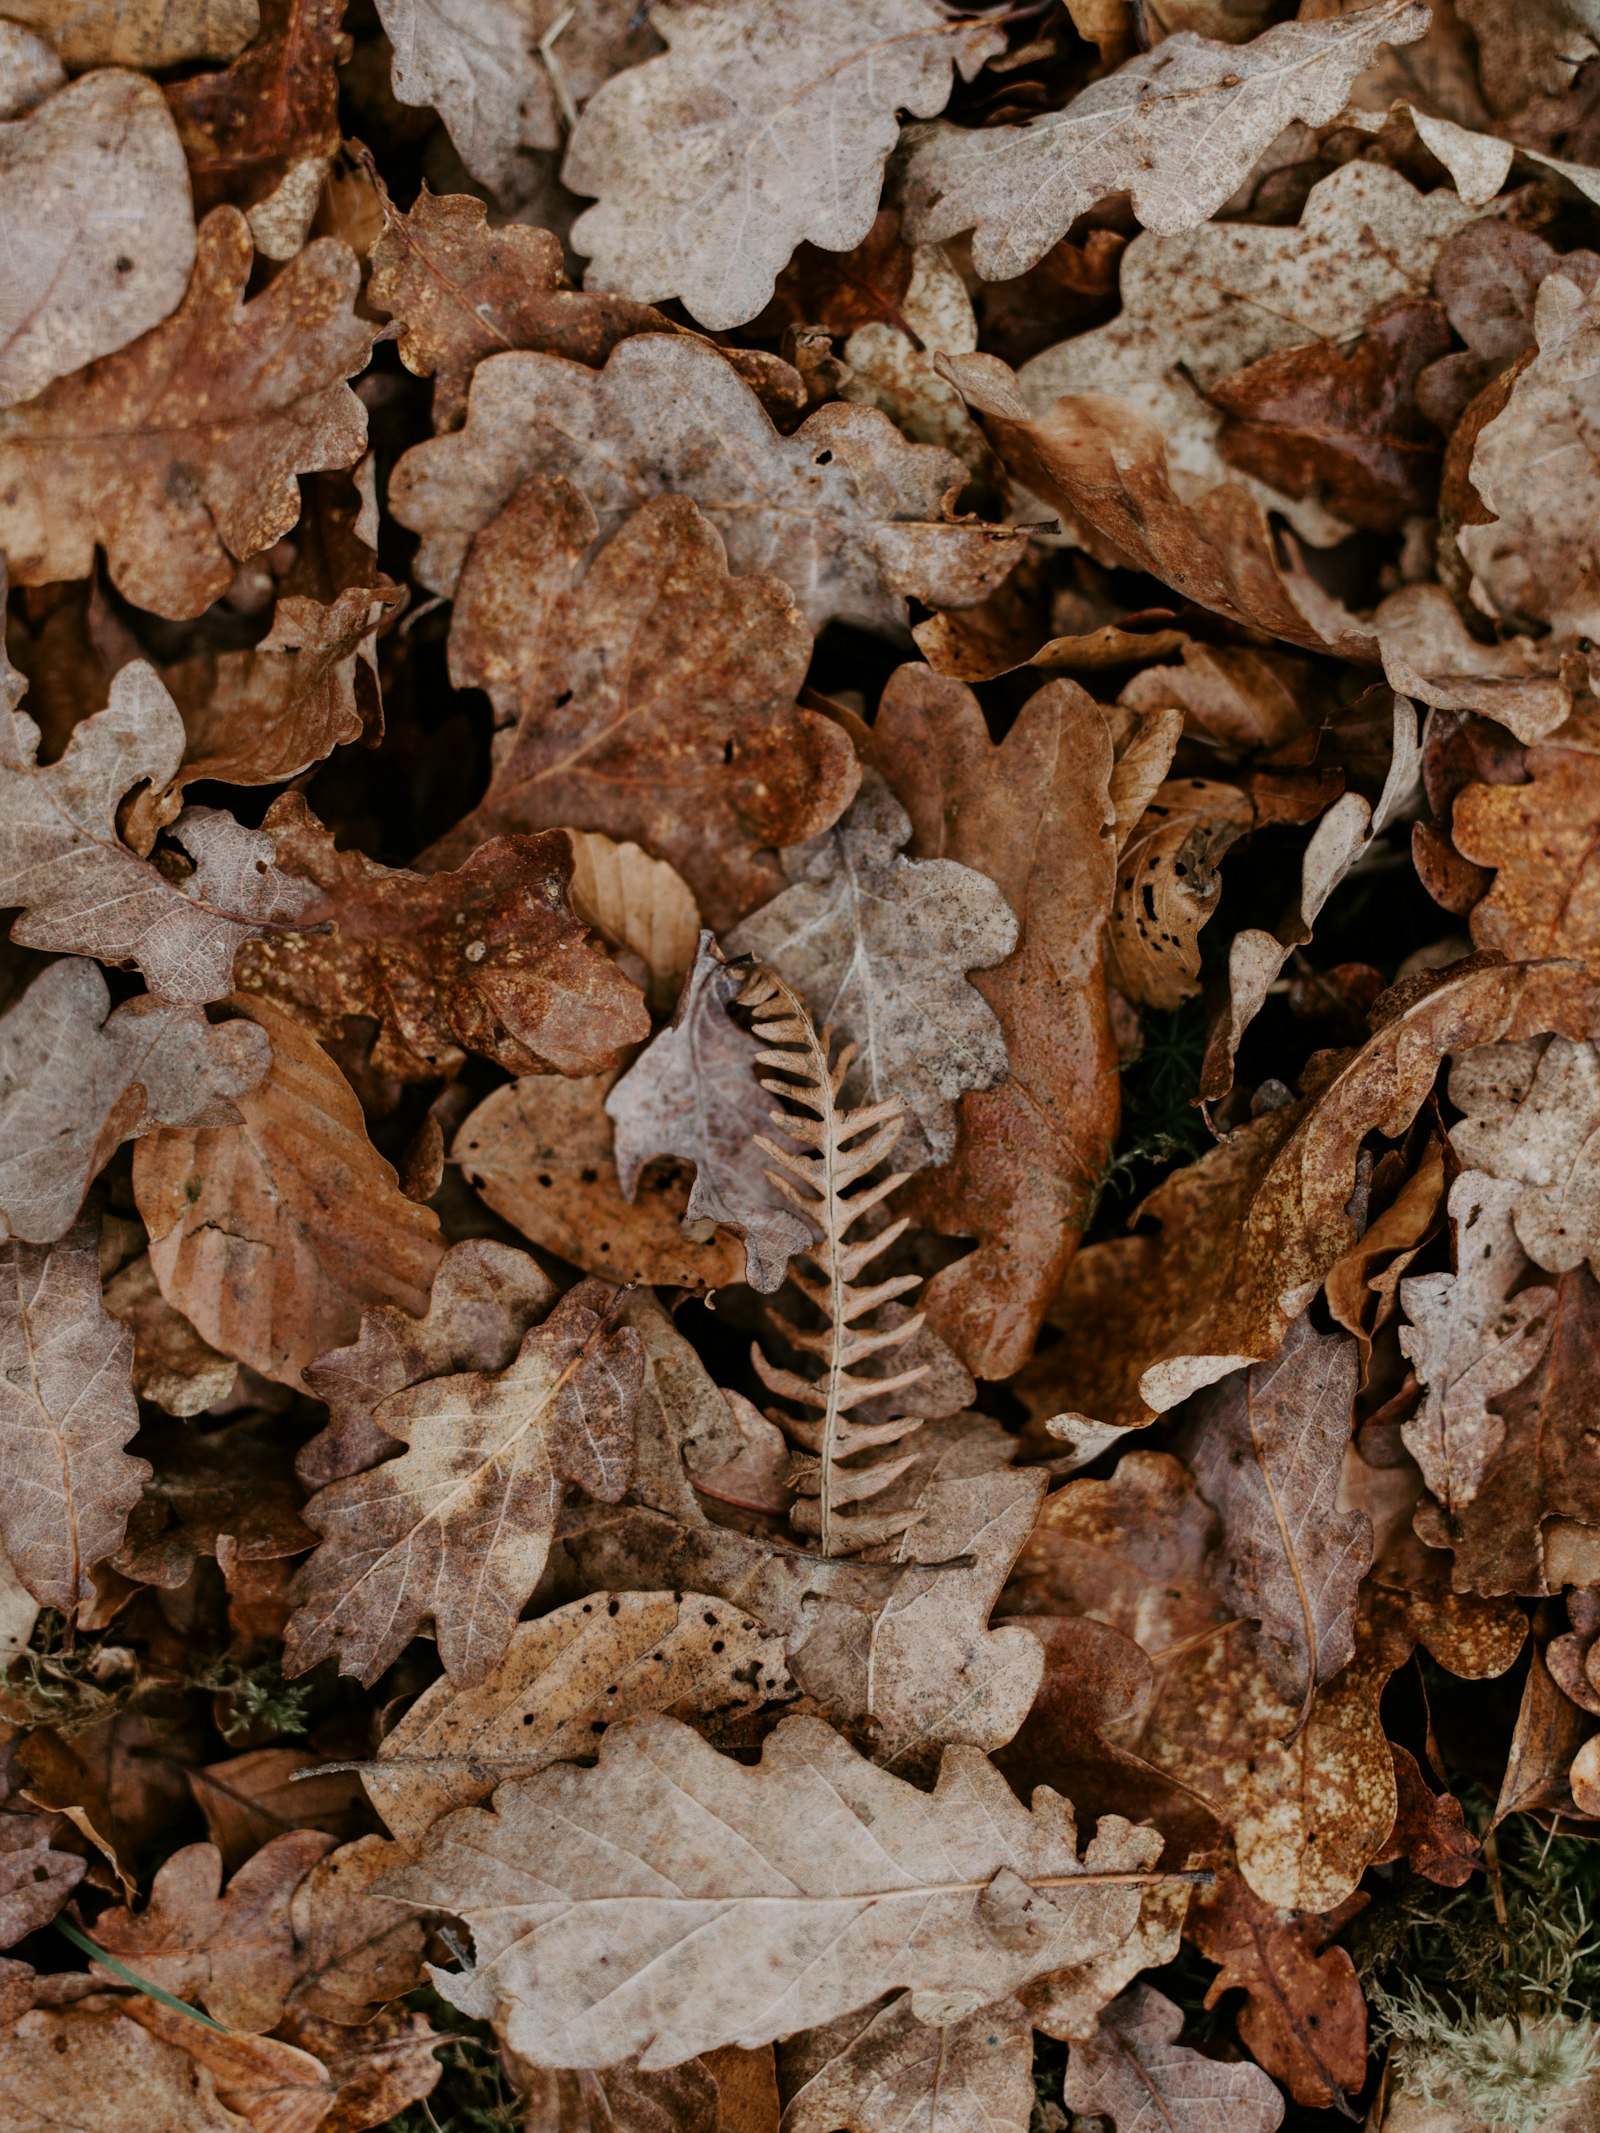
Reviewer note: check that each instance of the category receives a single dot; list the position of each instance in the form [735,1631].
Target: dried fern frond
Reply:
[837,1150]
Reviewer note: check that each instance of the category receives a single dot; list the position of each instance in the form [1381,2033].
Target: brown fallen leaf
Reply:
[353,1949]
[97,2069]
[147,33]
[1035,816]
[250,1799]
[66,1412]
[486,959]
[231,1950]
[1528,684]
[1137,2073]
[692,742]
[1531,1115]
[1266,1448]
[640,905]
[1430,1830]
[78,1078]
[1362,1288]
[226,1494]
[845,512]
[540,1154]
[271,1235]
[378,2069]
[694,1093]
[179,453]
[884,2067]
[97,228]
[1545,899]
[1168,884]
[456,1528]
[35,1879]
[762,125]
[247,127]
[960,1894]
[563,1680]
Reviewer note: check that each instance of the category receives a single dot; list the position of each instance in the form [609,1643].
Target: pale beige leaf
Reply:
[848,514]
[1525,682]
[882,2070]
[29,70]
[563,1680]
[1177,128]
[734,1904]
[140,33]
[271,1235]
[96,2070]
[66,1411]
[641,905]
[96,228]
[35,1881]
[1533,1116]
[765,122]
[1136,2072]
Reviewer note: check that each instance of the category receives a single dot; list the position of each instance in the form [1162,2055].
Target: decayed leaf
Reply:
[270,1236]
[694,1094]
[1532,1113]
[487,959]
[234,1950]
[640,905]
[66,1411]
[455,1529]
[1266,1447]
[496,72]
[259,133]
[877,947]
[96,228]
[883,2068]
[961,1894]
[179,453]
[845,511]
[764,123]
[1145,1321]
[653,693]
[80,887]
[1540,836]
[1035,816]
[1177,128]
[149,33]
[35,1881]
[563,1680]
[1168,885]
[1137,2073]
[1542,1495]
[1469,1339]
[77,1078]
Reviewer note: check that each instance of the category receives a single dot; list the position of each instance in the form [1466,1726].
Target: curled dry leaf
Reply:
[456,1528]
[486,959]
[66,1412]
[764,123]
[1531,1115]
[563,1680]
[694,1094]
[1168,885]
[96,228]
[270,1235]
[961,1894]
[1137,2073]
[77,1079]
[180,452]
[640,905]
[877,946]
[845,511]
[82,890]
[1035,815]
[1177,128]
[653,692]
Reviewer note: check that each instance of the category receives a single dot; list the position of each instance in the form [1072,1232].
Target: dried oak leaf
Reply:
[562,1681]
[1144,1321]
[1304,2017]
[77,1079]
[82,890]
[883,2068]
[1136,2072]
[1430,1830]
[540,1154]
[179,453]
[500,79]
[1033,814]
[140,33]
[694,1093]
[878,947]
[1532,1112]
[1178,128]
[764,123]
[35,1880]
[95,225]
[1527,683]
[1540,1500]
[353,1949]
[1168,883]
[1469,1339]
[1540,838]
[735,1904]
[270,1235]
[247,127]
[846,512]
[654,693]
[95,2068]
[456,1528]
[487,959]
[1266,1448]
[66,1411]
[233,1951]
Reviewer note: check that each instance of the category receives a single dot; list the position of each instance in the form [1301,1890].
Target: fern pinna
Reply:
[838,1149]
